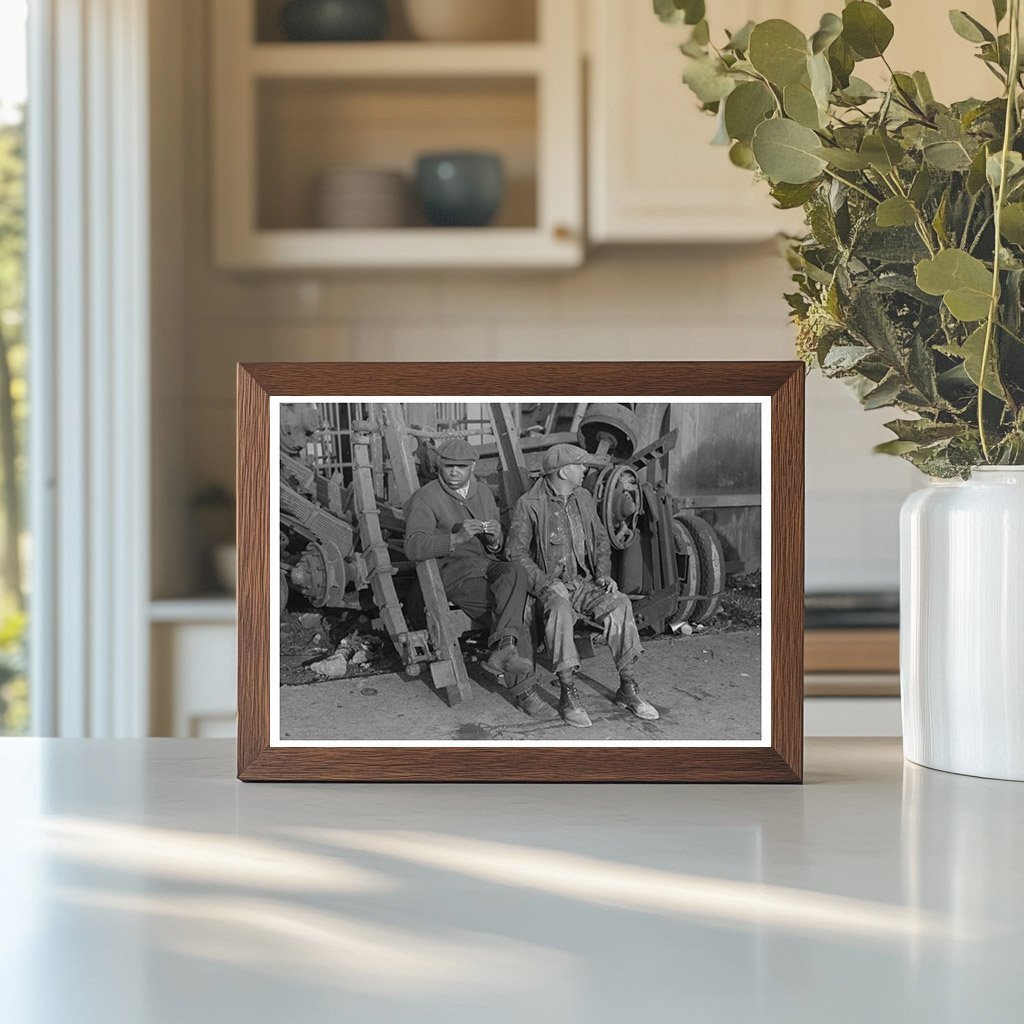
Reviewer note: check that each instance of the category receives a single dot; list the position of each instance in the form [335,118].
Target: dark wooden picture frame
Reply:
[779,761]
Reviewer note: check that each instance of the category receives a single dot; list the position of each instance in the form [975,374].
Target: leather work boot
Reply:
[530,703]
[505,659]
[628,696]
[570,707]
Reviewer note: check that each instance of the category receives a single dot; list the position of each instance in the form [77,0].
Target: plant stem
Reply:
[923,229]
[993,309]
[855,187]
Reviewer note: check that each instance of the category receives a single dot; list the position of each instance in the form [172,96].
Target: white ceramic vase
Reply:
[962,624]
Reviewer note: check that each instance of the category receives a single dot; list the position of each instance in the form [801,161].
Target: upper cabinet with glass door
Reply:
[376,133]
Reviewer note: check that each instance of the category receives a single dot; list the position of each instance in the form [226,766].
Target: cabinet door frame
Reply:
[619,211]
[553,63]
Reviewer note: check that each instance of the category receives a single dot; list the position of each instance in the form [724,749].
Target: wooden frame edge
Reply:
[252,484]
[781,762]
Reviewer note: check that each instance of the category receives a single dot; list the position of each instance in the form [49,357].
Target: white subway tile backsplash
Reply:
[510,297]
[645,285]
[413,296]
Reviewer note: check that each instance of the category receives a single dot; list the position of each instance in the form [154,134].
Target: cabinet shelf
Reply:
[392,60]
[309,248]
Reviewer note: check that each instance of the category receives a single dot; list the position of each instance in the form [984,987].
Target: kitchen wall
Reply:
[702,302]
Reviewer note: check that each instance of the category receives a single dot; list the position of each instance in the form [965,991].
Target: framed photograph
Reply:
[520,572]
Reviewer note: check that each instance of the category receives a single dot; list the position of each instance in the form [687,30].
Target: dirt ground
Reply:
[706,686]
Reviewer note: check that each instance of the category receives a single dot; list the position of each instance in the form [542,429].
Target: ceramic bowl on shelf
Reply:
[470,20]
[361,198]
[460,189]
[334,20]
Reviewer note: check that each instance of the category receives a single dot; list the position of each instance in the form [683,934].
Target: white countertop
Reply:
[143,884]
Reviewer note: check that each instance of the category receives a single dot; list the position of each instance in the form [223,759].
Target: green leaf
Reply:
[830,29]
[708,81]
[789,197]
[999,6]
[896,212]
[924,88]
[866,29]
[701,33]
[739,41]
[857,91]
[1011,226]
[800,105]
[921,185]
[745,108]
[883,153]
[923,431]
[976,175]
[841,60]
[742,155]
[885,394]
[971,352]
[1014,169]
[820,76]
[963,281]
[778,50]
[939,220]
[676,12]
[968,28]
[844,159]
[785,152]
[721,137]
[895,447]
[946,156]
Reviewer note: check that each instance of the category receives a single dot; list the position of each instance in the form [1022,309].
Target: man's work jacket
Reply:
[535,546]
[434,513]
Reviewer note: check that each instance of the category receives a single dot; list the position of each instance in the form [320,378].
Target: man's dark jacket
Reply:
[433,513]
[528,536]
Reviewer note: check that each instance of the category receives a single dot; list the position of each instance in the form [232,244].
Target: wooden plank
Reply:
[852,650]
[439,621]
[515,474]
[375,551]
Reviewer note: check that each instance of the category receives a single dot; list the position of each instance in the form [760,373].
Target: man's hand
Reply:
[607,584]
[468,529]
[557,589]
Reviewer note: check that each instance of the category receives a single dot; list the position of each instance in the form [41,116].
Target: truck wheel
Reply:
[712,567]
[688,562]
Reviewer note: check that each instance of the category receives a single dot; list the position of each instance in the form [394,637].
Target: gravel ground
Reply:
[705,685]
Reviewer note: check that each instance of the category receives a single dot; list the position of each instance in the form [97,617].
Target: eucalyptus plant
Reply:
[910,278]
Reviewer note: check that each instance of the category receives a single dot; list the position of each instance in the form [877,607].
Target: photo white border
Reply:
[276,401]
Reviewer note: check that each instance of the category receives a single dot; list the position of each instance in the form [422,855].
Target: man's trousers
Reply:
[500,593]
[613,611]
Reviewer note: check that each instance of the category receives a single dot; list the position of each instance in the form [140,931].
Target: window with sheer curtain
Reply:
[14,548]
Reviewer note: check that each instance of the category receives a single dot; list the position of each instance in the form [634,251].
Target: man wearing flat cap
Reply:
[455,520]
[560,543]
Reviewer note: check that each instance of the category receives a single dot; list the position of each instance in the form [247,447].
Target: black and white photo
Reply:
[460,571]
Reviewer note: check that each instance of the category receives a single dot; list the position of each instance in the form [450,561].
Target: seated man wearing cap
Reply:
[455,520]
[558,539]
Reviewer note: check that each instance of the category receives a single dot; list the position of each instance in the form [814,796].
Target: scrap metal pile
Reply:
[341,541]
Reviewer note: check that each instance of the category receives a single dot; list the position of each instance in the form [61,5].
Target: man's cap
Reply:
[560,455]
[457,452]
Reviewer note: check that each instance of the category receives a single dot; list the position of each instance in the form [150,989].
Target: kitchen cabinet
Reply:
[653,175]
[286,113]
[193,673]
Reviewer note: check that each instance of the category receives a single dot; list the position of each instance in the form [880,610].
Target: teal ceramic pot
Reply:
[460,189]
[334,20]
